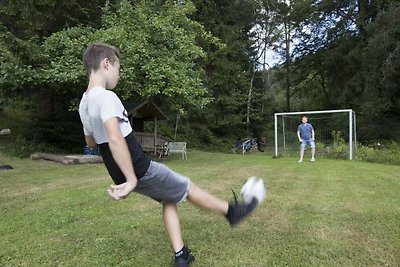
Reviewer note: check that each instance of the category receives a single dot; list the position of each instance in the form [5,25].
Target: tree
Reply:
[280,24]
[158,51]
[228,69]
[380,98]
[24,25]
[264,34]
[342,54]
[158,44]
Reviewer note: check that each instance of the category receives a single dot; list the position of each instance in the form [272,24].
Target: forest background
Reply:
[207,64]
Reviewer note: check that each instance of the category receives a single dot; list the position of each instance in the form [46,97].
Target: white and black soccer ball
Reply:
[253,188]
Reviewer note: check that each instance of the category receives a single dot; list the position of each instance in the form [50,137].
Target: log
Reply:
[84,159]
[68,159]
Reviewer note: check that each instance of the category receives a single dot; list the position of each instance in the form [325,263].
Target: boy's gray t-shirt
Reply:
[96,107]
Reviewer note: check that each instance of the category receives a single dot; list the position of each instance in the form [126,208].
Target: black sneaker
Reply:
[180,262]
[238,212]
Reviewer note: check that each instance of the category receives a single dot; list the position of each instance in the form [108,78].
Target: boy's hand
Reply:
[121,191]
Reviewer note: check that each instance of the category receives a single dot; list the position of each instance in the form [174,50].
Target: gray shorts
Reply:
[305,142]
[162,184]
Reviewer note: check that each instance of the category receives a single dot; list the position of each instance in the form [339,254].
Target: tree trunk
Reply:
[287,65]
[362,22]
[44,110]
[249,97]
[44,103]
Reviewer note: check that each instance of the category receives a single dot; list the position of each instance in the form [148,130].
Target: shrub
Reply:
[379,152]
[23,148]
[338,150]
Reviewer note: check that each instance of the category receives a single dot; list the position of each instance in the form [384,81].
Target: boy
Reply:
[306,135]
[105,123]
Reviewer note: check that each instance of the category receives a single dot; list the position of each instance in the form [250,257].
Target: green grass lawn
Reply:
[331,213]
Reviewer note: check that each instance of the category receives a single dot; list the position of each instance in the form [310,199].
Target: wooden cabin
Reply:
[140,112]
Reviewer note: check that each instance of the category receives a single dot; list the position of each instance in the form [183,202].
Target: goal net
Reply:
[335,132]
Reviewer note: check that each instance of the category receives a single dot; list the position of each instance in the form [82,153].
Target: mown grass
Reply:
[331,213]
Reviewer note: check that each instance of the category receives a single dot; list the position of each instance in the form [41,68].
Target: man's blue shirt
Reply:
[305,130]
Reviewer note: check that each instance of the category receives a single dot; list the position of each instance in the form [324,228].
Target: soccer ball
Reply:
[253,187]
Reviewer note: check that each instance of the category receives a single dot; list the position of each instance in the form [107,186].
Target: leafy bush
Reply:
[379,152]
[338,150]
[23,148]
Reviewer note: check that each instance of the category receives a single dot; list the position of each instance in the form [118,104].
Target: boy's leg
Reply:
[183,255]
[233,212]
[203,199]
[172,225]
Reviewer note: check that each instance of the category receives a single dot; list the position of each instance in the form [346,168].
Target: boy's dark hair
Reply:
[96,52]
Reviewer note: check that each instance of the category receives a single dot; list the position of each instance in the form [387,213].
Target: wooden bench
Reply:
[176,147]
[150,144]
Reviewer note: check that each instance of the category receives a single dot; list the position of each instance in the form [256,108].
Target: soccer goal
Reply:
[335,132]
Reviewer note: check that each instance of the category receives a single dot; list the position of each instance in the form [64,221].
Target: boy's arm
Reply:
[313,134]
[122,157]
[298,135]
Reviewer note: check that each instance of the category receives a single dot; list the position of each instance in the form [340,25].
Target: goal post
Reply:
[335,130]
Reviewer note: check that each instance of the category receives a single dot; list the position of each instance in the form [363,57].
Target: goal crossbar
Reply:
[352,122]
[314,112]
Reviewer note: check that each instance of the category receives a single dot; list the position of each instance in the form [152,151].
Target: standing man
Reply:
[306,135]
